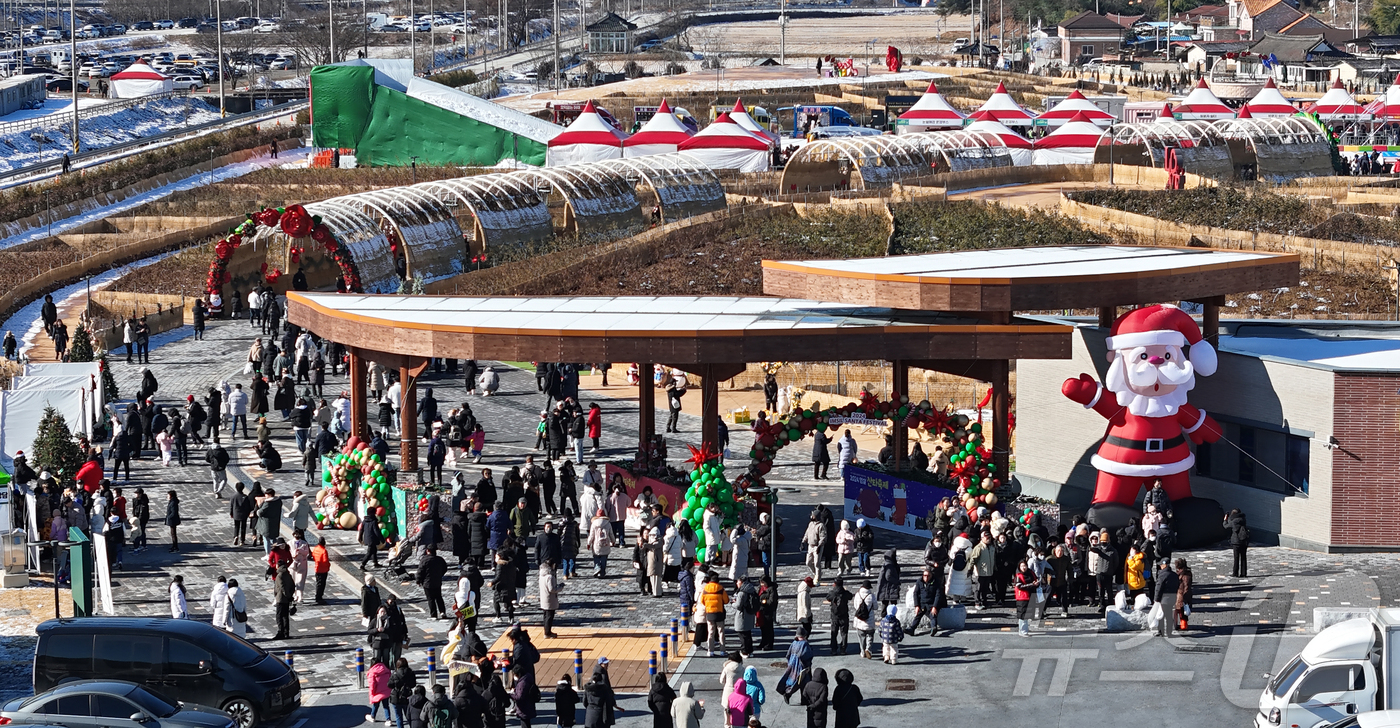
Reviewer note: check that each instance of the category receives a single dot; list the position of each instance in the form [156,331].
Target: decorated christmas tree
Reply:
[109,382]
[709,489]
[80,348]
[54,449]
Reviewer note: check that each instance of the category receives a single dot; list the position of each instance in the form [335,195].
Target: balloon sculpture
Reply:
[356,462]
[969,459]
[709,489]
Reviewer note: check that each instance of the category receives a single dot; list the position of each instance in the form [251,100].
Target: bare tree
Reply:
[308,36]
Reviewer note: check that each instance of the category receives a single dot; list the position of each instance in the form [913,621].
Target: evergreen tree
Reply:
[109,382]
[54,449]
[80,348]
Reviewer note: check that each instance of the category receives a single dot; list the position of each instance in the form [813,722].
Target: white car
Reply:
[165,24]
[266,27]
[187,83]
[283,64]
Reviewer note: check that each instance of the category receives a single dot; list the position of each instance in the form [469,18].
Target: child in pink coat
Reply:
[378,691]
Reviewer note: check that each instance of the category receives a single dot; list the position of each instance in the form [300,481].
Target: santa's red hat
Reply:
[1163,325]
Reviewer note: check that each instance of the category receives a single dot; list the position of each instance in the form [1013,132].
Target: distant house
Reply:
[1297,59]
[1124,21]
[1089,35]
[1255,18]
[609,34]
[1203,55]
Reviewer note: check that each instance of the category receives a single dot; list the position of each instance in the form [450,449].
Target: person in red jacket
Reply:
[595,424]
[90,474]
[1149,420]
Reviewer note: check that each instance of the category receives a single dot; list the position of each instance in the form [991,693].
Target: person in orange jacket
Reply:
[321,556]
[712,599]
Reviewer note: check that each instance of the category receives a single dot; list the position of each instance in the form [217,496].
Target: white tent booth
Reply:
[139,80]
[726,145]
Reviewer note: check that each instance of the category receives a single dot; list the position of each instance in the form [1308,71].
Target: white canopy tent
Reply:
[590,138]
[139,80]
[726,145]
[662,134]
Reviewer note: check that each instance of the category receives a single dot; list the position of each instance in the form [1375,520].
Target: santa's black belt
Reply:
[1153,444]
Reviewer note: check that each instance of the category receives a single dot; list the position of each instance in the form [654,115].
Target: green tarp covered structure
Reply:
[386,127]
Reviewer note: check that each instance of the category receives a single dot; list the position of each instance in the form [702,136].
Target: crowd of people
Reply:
[537,521]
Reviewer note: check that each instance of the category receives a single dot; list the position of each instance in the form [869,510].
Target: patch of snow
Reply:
[1255,297]
[482,110]
[295,157]
[27,318]
[56,104]
[41,142]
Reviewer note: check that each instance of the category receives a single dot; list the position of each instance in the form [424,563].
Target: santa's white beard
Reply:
[1144,405]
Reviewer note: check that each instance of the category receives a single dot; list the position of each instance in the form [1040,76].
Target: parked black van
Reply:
[184,659]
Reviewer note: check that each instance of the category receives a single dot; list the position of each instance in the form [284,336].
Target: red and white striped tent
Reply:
[1387,105]
[726,145]
[1001,107]
[1338,105]
[1073,104]
[1245,113]
[1203,105]
[1269,102]
[740,115]
[1165,114]
[1019,146]
[931,111]
[139,80]
[1072,143]
[662,134]
[590,138]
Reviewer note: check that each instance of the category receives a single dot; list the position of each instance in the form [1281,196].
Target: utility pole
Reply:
[432,38]
[364,6]
[73,63]
[219,41]
[330,20]
[413,36]
[782,34]
[558,72]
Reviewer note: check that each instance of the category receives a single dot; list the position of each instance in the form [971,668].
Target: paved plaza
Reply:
[1070,668]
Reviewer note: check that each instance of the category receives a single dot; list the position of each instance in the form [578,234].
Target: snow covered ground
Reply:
[56,104]
[293,158]
[42,142]
[27,319]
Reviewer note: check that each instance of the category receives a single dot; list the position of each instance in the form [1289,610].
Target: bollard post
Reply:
[432,666]
[505,666]
[578,669]
[685,624]
[360,666]
[664,654]
[675,629]
[287,657]
[651,663]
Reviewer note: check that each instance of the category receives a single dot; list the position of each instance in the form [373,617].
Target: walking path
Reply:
[1277,598]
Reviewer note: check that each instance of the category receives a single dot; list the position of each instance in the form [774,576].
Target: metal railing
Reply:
[94,157]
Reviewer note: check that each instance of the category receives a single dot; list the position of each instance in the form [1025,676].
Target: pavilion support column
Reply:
[646,405]
[1001,414]
[359,384]
[709,408]
[899,431]
[408,415]
[1107,314]
[1210,318]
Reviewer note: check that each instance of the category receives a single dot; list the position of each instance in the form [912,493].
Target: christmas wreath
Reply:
[297,223]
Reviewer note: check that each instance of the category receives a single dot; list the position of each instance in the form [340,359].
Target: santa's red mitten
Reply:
[1082,390]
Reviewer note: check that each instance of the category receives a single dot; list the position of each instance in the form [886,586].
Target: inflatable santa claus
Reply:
[1154,355]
